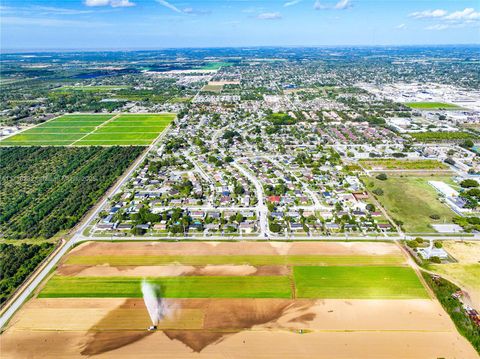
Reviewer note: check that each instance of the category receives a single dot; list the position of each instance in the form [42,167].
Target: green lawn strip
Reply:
[113,143]
[5,143]
[119,136]
[431,105]
[256,260]
[60,130]
[68,124]
[128,129]
[412,200]
[171,287]
[358,283]
[36,138]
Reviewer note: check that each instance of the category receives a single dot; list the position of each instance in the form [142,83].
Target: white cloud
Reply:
[269,16]
[340,5]
[112,3]
[400,26]
[169,6]
[437,27]
[465,14]
[445,20]
[428,14]
[343,4]
[291,3]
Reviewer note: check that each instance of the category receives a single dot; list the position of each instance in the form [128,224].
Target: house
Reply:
[295,227]
[124,227]
[274,199]
[247,227]
[431,251]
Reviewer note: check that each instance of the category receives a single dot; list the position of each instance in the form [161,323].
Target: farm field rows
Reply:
[94,130]
[246,295]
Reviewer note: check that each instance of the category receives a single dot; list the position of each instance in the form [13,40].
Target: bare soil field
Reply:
[235,328]
[234,248]
[229,328]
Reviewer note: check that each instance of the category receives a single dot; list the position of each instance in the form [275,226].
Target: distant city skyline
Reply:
[150,24]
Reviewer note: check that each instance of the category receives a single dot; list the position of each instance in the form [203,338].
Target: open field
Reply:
[256,260]
[432,105]
[391,164]
[466,272]
[103,88]
[412,201]
[362,282]
[94,130]
[442,136]
[247,310]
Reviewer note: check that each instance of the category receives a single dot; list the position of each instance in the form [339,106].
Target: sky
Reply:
[150,24]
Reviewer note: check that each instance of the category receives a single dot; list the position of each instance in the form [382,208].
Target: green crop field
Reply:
[172,287]
[93,130]
[304,260]
[432,105]
[412,201]
[358,282]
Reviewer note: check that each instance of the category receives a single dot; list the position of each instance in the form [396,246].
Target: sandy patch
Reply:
[170,270]
[235,248]
[463,251]
[212,327]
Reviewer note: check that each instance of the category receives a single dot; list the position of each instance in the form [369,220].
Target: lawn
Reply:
[358,283]
[392,164]
[432,105]
[92,129]
[256,260]
[442,136]
[215,65]
[171,287]
[412,201]
[103,88]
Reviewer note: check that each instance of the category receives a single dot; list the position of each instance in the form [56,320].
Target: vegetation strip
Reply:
[171,287]
[314,260]
[358,283]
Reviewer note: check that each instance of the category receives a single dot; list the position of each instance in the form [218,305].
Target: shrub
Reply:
[382,177]
[435,259]
[469,183]
[435,216]
[378,191]
[438,245]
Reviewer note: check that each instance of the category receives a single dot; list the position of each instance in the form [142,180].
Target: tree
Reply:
[378,191]
[382,177]
[469,183]
[370,207]
[138,231]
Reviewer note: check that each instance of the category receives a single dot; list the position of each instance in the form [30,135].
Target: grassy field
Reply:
[212,88]
[442,136]
[466,275]
[92,129]
[412,200]
[215,65]
[359,283]
[304,260]
[172,287]
[392,164]
[103,88]
[432,105]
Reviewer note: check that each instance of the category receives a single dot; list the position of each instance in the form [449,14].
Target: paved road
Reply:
[261,207]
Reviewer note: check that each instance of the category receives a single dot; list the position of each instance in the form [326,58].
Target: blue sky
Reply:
[130,24]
